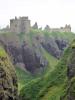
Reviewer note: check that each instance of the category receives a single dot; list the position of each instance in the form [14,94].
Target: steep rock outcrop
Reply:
[70,85]
[8,79]
[51,46]
[33,59]
[61,44]
[71,74]
[30,56]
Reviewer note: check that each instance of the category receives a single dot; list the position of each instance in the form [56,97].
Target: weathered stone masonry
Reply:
[20,25]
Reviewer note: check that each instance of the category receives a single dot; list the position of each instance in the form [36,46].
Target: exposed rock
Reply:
[51,46]
[24,54]
[61,43]
[30,55]
[70,94]
[33,60]
[15,53]
[8,79]
[70,87]
[71,75]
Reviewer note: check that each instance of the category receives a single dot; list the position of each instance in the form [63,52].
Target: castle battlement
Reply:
[20,25]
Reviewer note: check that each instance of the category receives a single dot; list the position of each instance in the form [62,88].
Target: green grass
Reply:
[50,85]
[52,61]
[23,77]
[53,93]
[53,80]
[62,35]
[2,52]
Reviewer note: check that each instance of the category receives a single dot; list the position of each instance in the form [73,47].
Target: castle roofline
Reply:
[24,18]
[20,18]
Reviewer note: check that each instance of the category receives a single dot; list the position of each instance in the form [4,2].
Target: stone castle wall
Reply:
[21,25]
[67,28]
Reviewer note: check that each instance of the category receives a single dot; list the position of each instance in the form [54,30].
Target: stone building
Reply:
[47,28]
[67,28]
[35,26]
[20,25]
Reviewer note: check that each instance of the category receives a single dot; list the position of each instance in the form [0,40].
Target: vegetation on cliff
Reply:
[53,85]
[45,77]
[8,78]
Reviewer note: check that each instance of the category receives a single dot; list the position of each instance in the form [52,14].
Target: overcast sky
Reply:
[55,13]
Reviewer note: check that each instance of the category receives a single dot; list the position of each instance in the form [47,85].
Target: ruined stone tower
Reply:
[20,25]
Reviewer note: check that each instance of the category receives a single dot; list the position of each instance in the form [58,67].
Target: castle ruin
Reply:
[67,28]
[35,26]
[20,25]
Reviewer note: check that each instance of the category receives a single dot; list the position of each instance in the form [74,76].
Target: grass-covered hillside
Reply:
[53,85]
[24,77]
[60,35]
[41,53]
[41,88]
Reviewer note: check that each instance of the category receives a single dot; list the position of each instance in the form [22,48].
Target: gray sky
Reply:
[55,13]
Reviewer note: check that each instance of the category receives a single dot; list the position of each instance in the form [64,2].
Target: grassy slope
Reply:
[23,77]
[51,86]
[45,86]
[59,76]
[63,35]
[52,61]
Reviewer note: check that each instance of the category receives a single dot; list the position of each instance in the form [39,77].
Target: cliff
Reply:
[26,50]
[8,79]
[56,85]
[70,94]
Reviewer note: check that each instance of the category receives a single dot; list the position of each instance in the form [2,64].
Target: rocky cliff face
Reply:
[8,79]
[54,47]
[71,74]
[56,85]
[27,50]
[33,58]
[23,54]
[70,85]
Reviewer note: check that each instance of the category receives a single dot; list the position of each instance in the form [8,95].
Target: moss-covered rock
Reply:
[70,87]
[8,79]
[71,90]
